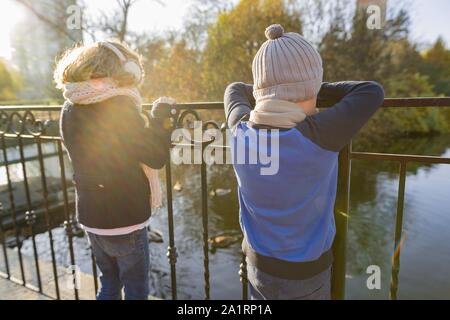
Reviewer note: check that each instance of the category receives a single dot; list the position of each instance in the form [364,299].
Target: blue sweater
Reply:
[288,216]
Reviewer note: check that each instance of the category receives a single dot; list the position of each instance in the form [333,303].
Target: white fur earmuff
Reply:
[130,66]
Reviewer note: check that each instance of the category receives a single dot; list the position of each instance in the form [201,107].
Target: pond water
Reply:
[425,254]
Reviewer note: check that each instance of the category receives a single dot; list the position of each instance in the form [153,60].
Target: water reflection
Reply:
[374,188]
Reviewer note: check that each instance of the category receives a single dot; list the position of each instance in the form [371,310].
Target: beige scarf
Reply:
[277,113]
[98,90]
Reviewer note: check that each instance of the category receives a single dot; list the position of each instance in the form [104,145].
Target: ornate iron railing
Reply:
[20,126]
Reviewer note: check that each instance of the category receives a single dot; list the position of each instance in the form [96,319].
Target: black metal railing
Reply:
[21,129]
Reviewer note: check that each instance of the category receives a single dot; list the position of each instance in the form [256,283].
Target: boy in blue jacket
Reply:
[287,215]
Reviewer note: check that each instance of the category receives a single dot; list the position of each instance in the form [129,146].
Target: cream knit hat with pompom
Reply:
[286,67]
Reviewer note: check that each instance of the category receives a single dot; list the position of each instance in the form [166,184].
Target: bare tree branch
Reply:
[60,28]
[114,23]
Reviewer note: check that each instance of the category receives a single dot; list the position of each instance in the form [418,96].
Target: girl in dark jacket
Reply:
[114,151]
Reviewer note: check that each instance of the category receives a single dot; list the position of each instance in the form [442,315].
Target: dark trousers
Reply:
[124,263]
[264,286]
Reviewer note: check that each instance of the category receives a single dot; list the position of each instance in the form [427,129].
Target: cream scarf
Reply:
[277,113]
[98,90]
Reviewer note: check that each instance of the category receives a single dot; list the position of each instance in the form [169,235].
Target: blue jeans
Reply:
[264,286]
[124,262]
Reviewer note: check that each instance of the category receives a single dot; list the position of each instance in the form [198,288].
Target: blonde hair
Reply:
[82,63]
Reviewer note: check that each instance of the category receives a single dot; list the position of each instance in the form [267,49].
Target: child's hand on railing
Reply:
[162,107]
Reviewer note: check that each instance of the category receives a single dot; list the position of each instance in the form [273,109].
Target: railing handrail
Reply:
[415,102]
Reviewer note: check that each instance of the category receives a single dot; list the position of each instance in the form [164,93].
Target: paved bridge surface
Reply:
[12,291]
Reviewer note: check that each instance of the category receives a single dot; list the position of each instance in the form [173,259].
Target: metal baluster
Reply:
[47,214]
[204,186]
[69,221]
[243,277]
[172,251]
[2,236]
[341,210]
[398,231]
[30,215]
[13,209]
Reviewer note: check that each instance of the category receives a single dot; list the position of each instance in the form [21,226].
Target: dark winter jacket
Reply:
[106,143]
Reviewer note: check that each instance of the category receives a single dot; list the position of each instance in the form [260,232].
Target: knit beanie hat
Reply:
[286,67]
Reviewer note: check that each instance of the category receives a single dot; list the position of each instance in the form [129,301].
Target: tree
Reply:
[436,65]
[357,52]
[9,82]
[114,23]
[37,40]
[53,15]
[172,70]
[202,14]
[386,56]
[236,37]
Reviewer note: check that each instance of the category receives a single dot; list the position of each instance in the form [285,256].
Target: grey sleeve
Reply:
[238,102]
[352,105]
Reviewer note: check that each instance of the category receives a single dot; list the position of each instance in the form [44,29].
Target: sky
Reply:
[430,18]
